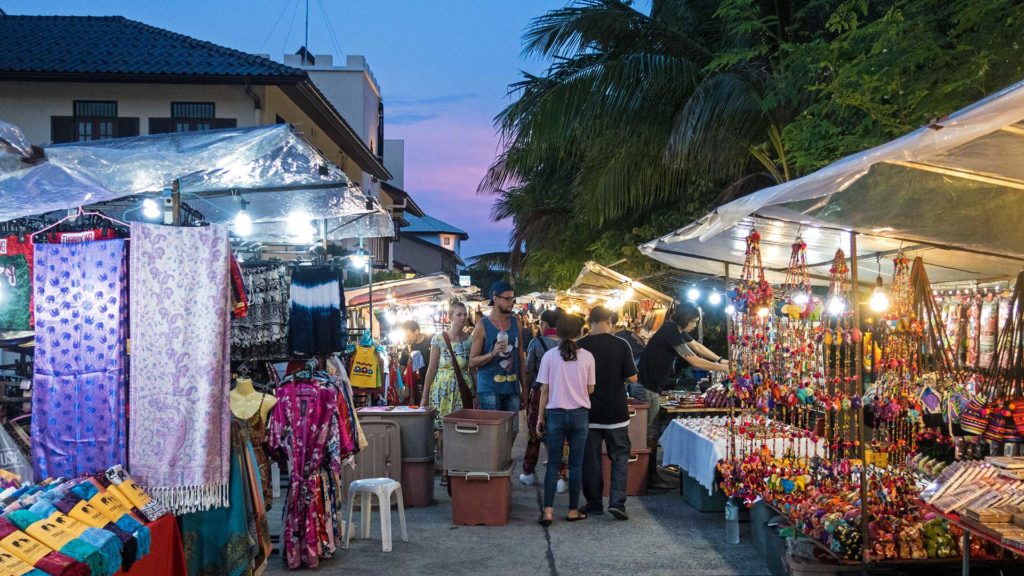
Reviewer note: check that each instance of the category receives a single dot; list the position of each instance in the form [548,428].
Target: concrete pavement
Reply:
[663,536]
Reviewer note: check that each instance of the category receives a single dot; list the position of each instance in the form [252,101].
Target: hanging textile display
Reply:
[233,540]
[16,268]
[263,333]
[180,369]
[78,407]
[317,311]
[987,320]
[304,427]
[973,333]
[366,366]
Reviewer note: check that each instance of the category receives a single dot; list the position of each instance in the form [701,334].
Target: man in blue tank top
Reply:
[495,354]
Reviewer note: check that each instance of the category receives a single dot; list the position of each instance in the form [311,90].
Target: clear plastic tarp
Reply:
[278,174]
[953,188]
[433,288]
[13,141]
[603,282]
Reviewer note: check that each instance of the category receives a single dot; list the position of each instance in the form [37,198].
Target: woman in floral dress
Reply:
[441,389]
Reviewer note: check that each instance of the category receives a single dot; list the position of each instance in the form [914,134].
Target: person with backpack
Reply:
[546,340]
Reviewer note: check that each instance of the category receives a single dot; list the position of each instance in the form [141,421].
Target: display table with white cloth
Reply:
[696,445]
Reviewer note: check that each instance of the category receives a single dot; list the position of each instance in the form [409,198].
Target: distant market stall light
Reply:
[715,298]
[693,294]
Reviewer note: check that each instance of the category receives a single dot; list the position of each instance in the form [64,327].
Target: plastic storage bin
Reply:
[481,498]
[418,482]
[698,497]
[417,425]
[478,440]
[637,477]
[759,515]
[638,424]
[382,457]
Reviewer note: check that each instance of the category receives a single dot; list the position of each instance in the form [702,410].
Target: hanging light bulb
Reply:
[243,223]
[879,301]
[801,298]
[730,309]
[836,306]
[301,227]
[715,298]
[591,300]
[693,294]
[763,312]
[150,209]
[359,260]
[628,293]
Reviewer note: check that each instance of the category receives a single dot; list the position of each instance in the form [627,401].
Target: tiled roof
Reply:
[115,49]
[114,45]
[430,225]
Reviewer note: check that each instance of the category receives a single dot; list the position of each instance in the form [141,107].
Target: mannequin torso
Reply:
[246,401]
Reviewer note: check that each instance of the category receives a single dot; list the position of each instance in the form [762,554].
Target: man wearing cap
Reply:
[495,355]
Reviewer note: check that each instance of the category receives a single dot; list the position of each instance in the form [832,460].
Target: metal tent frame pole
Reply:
[861,432]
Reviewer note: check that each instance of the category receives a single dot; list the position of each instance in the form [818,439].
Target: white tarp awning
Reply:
[272,168]
[431,288]
[952,191]
[603,282]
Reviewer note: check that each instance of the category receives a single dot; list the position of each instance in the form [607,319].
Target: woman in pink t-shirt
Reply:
[567,376]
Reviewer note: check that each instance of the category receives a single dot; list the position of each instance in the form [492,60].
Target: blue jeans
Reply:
[561,425]
[505,402]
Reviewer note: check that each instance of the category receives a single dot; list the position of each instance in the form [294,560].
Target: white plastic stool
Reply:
[382,488]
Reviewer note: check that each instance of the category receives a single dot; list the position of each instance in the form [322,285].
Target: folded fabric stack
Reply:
[89,526]
[34,553]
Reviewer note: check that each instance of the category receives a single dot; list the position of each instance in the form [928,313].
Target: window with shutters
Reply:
[192,116]
[95,120]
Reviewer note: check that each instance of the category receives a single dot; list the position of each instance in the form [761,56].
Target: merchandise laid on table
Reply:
[902,469]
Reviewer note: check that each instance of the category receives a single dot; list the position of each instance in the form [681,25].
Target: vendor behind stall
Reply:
[417,342]
[671,340]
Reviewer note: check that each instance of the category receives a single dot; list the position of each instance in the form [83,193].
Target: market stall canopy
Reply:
[603,282]
[402,292]
[950,190]
[278,174]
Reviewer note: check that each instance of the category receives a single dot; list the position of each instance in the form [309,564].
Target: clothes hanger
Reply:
[74,216]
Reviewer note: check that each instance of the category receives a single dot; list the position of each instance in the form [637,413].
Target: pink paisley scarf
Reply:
[179,424]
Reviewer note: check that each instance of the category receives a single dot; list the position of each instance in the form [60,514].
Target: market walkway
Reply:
[663,536]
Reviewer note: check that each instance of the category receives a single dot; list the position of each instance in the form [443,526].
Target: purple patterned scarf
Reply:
[180,368]
[78,416]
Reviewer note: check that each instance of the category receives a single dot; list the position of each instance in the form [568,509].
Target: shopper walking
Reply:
[609,415]
[567,379]
[448,380]
[547,339]
[495,355]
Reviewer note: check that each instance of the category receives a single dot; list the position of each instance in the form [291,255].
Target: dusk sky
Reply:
[444,67]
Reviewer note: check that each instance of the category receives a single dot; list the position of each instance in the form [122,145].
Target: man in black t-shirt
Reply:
[671,340]
[609,415]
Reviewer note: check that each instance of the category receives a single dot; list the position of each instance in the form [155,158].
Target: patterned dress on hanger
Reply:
[304,426]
